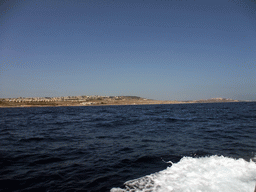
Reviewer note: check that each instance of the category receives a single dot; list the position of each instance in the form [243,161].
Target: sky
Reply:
[156,49]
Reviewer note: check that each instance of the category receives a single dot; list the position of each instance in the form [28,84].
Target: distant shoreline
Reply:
[96,101]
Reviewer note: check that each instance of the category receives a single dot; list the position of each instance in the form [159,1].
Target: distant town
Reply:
[95,101]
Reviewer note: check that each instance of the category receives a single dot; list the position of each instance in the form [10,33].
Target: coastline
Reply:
[97,101]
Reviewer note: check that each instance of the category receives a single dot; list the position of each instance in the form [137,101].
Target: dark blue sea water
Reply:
[97,148]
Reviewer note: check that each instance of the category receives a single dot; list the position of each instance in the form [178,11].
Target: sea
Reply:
[165,148]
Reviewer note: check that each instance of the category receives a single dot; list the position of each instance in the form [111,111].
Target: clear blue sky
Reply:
[157,49]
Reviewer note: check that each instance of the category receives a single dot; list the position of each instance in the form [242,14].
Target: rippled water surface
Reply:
[97,148]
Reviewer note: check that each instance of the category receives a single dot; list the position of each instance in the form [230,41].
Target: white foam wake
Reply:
[211,174]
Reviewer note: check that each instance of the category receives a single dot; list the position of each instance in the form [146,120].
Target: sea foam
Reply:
[211,174]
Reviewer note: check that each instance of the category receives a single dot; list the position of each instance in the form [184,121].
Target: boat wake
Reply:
[211,174]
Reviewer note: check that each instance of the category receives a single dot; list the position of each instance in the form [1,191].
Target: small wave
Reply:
[171,120]
[32,139]
[214,173]
[46,161]
[126,149]
[103,137]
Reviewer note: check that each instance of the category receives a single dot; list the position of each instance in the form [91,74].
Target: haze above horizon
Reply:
[164,50]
